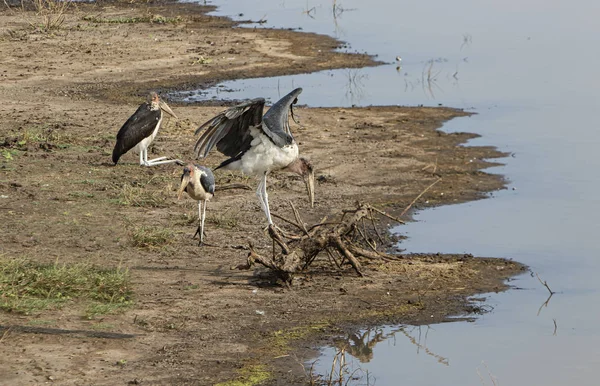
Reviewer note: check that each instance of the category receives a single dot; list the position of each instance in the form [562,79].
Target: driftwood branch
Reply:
[295,252]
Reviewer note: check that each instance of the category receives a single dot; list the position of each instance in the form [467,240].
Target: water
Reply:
[528,68]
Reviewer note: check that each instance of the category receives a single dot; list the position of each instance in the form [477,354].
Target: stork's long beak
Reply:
[163,105]
[185,180]
[310,187]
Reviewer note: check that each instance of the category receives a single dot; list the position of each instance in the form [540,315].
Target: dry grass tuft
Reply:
[152,237]
[141,196]
[222,220]
[51,12]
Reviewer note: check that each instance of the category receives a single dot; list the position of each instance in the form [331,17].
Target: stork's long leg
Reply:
[157,161]
[265,199]
[202,222]
[259,190]
[199,220]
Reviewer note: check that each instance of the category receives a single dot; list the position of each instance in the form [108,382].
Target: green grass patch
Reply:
[8,154]
[42,323]
[27,287]
[77,194]
[45,136]
[151,237]
[282,338]
[184,219]
[102,326]
[150,18]
[94,309]
[250,375]
[87,181]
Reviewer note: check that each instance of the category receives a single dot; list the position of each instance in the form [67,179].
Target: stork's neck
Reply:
[296,167]
[154,106]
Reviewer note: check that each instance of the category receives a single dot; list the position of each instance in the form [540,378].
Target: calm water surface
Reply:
[529,69]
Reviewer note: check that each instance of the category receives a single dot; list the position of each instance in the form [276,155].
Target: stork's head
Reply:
[187,176]
[304,167]
[158,103]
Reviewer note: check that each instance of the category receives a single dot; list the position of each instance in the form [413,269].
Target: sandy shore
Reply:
[64,95]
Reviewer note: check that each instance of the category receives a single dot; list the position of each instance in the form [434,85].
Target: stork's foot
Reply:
[271,225]
[272,228]
[198,233]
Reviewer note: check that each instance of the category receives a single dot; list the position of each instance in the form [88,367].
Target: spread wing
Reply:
[276,123]
[139,126]
[230,130]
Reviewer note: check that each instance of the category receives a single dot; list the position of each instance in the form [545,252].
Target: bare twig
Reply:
[387,215]
[545,285]
[301,224]
[419,196]
[545,304]
[375,255]
[320,224]
[555,327]
[8,6]
[374,227]
[286,220]
[331,255]
[439,358]
[273,232]
[347,254]
[366,239]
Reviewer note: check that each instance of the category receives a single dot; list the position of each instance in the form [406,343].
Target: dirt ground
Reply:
[195,321]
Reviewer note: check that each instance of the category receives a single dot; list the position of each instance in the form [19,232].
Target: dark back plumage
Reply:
[139,126]
[230,130]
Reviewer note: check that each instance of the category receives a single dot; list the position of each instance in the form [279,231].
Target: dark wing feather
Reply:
[275,122]
[207,179]
[230,130]
[139,126]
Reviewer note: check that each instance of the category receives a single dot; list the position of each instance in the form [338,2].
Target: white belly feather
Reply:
[144,143]
[265,156]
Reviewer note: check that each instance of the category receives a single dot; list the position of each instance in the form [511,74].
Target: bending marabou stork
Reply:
[140,129]
[199,183]
[257,144]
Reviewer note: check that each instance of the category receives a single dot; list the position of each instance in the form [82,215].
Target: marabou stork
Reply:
[140,129]
[257,143]
[199,183]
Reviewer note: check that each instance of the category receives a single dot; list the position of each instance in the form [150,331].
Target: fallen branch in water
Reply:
[545,304]
[545,284]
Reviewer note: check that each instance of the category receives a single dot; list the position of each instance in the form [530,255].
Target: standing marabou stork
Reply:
[140,129]
[257,144]
[199,183]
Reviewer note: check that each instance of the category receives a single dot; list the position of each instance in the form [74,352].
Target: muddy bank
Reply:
[64,95]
